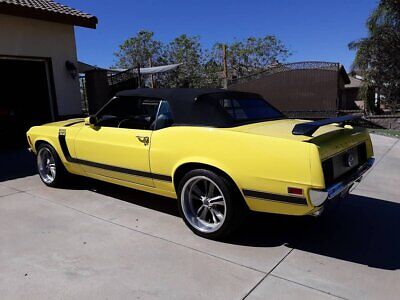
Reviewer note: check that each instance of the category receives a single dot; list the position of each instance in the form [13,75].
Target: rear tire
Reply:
[50,167]
[210,204]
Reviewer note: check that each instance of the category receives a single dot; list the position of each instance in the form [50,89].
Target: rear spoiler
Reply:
[310,127]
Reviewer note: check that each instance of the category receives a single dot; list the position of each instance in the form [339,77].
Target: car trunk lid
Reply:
[330,139]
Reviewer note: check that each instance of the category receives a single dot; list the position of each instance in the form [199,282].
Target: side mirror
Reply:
[91,120]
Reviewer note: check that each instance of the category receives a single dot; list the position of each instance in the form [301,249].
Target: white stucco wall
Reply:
[36,38]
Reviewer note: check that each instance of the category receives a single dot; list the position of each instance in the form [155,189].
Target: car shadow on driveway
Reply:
[151,201]
[359,229]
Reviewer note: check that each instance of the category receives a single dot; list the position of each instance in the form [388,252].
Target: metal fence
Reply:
[122,81]
[82,84]
[303,89]
[278,68]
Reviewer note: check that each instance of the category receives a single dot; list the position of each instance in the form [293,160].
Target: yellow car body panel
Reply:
[114,147]
[261,158]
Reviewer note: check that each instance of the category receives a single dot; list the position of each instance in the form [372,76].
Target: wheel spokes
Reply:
[210,191]
[217,213]
[203,213]
[199,210]
[206,183]
[216,200]
[208,215]
[213,216]
[196,191]
[53,171]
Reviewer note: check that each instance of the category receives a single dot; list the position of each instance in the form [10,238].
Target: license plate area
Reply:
[343,164]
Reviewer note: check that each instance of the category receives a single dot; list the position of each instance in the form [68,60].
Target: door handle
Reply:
[143,139]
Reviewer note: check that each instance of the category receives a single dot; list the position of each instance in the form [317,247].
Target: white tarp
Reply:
[160,69]
[84,67]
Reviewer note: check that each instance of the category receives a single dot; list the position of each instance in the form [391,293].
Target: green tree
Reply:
[140,48]
[186,50]
[212,70]
[378,55]
[253,54]
[200,67]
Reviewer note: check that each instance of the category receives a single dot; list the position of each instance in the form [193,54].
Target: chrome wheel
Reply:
[203,204]
[46,165]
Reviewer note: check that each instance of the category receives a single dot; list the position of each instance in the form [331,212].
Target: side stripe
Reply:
[275,197]
[73,123]
[64,148]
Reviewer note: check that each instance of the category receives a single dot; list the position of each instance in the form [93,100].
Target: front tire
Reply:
[50,167]
[209,204]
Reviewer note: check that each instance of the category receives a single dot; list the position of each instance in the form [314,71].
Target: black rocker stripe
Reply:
[275,197]
[161,177]
[68,157]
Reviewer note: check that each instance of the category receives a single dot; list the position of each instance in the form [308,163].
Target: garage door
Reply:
[25,98]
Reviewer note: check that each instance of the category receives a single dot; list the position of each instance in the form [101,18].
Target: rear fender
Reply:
[206,162]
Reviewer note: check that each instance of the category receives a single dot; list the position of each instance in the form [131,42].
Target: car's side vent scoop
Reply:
[310,127]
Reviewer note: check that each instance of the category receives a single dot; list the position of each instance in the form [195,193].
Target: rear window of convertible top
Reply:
[243,110]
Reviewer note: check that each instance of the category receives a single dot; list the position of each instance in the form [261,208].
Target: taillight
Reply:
[295,191]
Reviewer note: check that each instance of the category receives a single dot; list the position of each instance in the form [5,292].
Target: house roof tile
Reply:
[48,10]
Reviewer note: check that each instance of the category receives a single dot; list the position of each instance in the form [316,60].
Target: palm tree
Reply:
[378,55]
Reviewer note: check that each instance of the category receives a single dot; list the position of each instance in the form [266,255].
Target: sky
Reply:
[311,29]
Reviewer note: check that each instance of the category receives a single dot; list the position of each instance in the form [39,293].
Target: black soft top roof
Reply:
[193,106]
[176,94]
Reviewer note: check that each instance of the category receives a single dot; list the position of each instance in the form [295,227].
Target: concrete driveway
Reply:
[100,241]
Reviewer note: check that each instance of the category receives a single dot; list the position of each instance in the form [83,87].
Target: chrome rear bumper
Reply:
[318,197]
[339,187]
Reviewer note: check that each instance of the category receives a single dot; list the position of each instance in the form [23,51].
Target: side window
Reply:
[233,108]
[164,117]
[129,112]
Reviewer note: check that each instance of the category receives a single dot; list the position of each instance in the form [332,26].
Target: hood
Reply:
[283,129]
[67,123]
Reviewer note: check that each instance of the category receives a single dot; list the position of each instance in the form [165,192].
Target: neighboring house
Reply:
[301,89]
[38,61]
[353,94]
[352,91]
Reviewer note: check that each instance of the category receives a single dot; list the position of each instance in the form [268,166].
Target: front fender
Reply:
[49,134]
[39,134]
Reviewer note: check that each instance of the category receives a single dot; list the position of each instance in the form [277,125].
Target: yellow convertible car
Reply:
[221,153]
